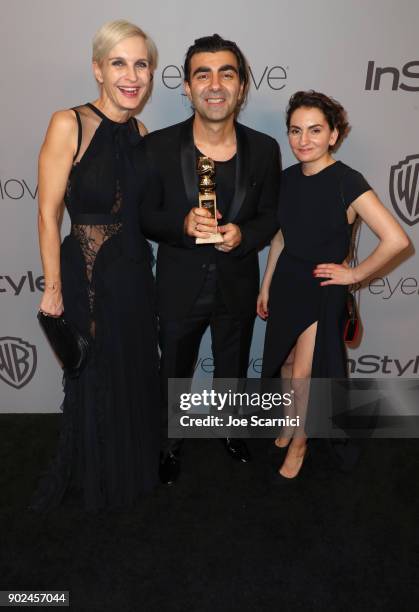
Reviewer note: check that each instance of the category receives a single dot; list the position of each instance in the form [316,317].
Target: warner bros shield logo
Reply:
[17,361]
[404,189]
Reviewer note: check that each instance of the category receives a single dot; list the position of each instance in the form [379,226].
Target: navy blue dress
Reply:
[312,216]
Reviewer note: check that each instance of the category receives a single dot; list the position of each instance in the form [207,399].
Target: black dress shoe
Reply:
[169,468]
[237,449]
[345,453]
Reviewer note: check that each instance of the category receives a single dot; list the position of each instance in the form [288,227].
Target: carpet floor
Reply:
[226,537]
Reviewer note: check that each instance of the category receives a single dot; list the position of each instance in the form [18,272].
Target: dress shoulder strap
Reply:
[79,132]
[136,126]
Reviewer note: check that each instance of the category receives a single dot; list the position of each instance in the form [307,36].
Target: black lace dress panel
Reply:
[108,448]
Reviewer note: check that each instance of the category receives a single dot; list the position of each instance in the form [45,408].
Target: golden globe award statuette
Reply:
[207,197]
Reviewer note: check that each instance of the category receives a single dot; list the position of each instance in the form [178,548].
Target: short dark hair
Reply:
[333,111]
[212,44]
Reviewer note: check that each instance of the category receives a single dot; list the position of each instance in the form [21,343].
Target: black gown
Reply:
[109,446]
[312,216]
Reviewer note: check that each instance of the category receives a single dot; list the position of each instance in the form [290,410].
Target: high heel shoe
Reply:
[279,478]
[277,453]
[276,442]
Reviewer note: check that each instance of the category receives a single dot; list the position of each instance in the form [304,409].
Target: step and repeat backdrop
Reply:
[362,52]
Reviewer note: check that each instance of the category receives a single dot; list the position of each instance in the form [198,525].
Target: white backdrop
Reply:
[339,47]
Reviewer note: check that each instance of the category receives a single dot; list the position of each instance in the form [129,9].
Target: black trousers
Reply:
[180,340]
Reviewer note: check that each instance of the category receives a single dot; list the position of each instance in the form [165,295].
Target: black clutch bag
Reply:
[70,346]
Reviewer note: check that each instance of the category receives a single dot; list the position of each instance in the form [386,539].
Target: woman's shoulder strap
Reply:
[79,131]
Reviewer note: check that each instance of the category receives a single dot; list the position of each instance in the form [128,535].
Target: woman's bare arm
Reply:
[393,240]
[55,161]
[277,245]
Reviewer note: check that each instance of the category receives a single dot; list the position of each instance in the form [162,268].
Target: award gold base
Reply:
[212,239]
[209,202]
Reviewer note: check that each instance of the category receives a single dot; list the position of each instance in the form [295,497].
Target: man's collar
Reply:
[188,164]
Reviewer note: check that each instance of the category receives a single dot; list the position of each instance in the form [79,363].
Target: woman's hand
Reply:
[338,274]
[262,304]
[52,302]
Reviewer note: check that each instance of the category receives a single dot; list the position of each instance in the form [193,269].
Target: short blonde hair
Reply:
[113,32]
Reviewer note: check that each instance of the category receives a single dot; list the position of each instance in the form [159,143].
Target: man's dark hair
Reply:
[212,44]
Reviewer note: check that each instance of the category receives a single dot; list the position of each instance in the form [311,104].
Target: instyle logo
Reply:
[393,76]
[364,364]
[273,77]
[17,361]
[404,189]
[14,285]
[384,364]
[16,189]
[387,288]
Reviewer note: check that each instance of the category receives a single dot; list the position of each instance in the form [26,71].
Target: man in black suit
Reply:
[206,284]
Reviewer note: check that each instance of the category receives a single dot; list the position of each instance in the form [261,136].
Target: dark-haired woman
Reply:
[304,289]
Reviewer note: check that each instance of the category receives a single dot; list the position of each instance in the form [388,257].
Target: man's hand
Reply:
[199,223]
[232,237]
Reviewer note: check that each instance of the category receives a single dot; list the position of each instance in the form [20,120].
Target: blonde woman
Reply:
[101,278]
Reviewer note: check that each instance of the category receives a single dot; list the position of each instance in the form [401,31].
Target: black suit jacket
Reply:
[172,192]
